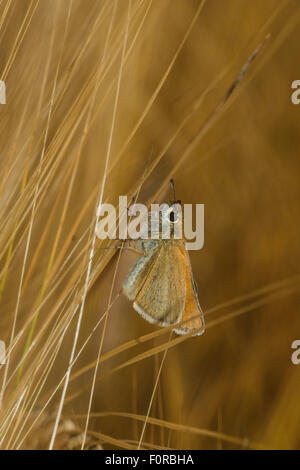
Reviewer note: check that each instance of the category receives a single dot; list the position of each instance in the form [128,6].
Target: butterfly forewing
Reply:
[161,297]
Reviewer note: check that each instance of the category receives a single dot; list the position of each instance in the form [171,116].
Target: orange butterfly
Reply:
[161,283]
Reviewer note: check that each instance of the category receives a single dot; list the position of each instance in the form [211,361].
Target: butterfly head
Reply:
[171,215]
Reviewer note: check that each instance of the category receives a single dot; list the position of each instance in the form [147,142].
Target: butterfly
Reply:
[161,283]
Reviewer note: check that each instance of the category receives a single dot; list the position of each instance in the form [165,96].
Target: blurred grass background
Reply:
[145,76]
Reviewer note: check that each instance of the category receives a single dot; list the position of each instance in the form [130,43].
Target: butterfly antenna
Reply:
[173,189]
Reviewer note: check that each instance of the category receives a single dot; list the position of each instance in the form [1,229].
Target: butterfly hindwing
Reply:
[192,309]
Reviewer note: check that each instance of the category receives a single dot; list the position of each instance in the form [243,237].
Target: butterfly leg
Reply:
[135,249]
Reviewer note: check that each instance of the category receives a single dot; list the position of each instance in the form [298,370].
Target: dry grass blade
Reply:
[178,427]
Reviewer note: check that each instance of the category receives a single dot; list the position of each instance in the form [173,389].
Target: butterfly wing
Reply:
[161,297]
[192,312]
[141,269]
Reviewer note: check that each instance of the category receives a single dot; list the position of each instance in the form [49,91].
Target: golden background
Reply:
[122,95]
